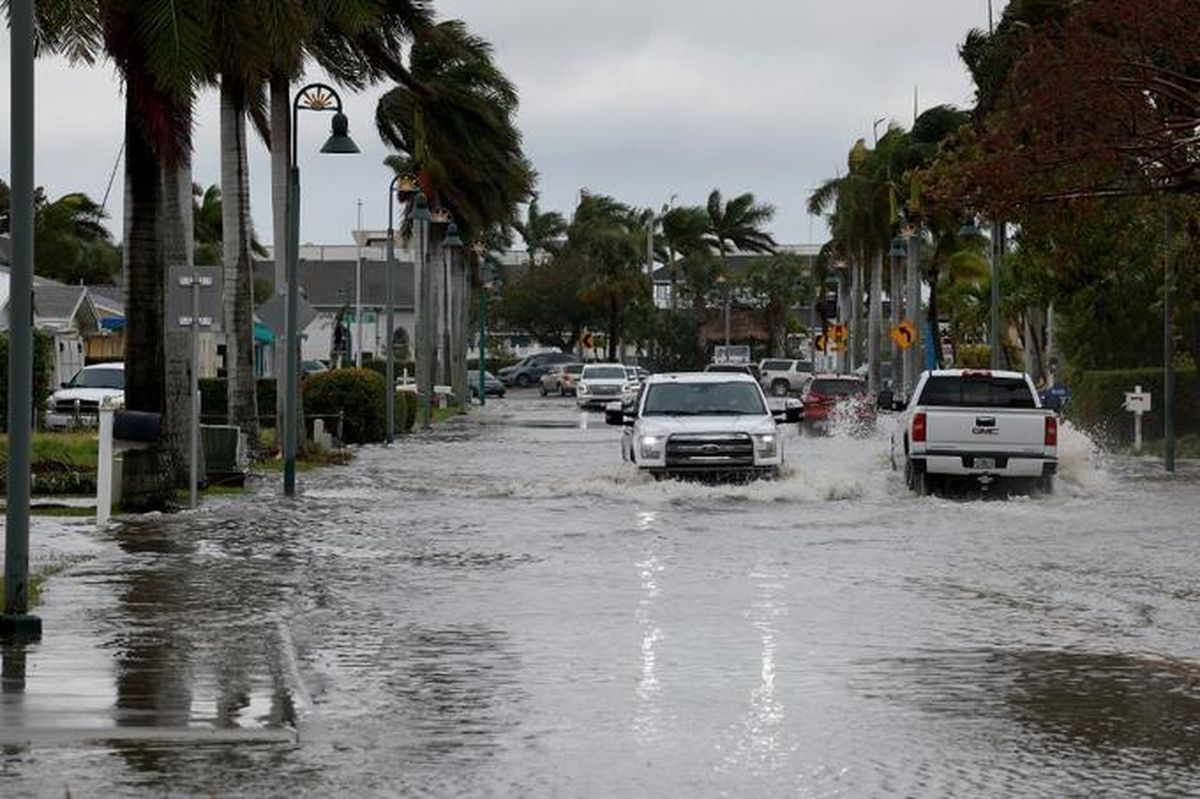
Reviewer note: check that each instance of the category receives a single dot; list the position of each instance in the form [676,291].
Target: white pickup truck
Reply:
[978,424]
[711,426]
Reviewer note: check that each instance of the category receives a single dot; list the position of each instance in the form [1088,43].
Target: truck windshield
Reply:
[703,399]
[99,378]
[604,373]
[977,392]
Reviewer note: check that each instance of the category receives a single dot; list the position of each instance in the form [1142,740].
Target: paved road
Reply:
[502,608]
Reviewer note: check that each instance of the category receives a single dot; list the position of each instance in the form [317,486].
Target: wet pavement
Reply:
[501,608]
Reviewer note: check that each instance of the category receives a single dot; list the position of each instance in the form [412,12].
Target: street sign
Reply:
[588,341]
[904,334]
[1138,401]
[820,342]
[734,353]
[841,331]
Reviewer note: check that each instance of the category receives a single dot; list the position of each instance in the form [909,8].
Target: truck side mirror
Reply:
[614,414]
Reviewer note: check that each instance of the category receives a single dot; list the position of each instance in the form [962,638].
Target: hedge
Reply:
[407,405]
[214,400]
[1098,397]
[43,374]
[354,395]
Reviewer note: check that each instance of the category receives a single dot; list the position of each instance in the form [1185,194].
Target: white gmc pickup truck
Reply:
[708,426]
[978,424]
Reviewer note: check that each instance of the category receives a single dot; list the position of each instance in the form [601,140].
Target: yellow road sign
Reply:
[820,342]
[588,341]
[904,334]
[841,332]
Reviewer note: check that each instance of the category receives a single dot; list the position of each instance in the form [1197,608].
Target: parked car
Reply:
[977,424]
[77,402]
[530,369]
[601,383]
[492,386]
[561,379]
[783,376]
[638,373]
[736,368]
[831,397]
[312,367]
[712,426]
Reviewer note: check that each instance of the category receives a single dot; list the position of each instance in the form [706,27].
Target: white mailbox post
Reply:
[1137,402]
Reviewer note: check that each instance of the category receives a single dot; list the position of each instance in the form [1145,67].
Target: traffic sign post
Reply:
[195,303]
[1138,402]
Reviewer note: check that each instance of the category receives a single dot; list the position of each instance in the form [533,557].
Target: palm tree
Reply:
[541,232]
[737,224]
[683,231]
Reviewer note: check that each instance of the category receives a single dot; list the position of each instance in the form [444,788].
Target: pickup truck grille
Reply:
[85,406]
[735,449]
[606,391]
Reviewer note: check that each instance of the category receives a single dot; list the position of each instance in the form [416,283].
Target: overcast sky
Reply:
[640,99]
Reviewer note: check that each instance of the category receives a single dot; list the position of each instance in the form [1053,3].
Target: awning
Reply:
[263,333]
[113,323]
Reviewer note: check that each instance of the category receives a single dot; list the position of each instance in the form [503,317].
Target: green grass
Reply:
[37,579]
[76,449]
[1187,446]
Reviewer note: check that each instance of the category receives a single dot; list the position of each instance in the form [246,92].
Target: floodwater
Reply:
[501,608]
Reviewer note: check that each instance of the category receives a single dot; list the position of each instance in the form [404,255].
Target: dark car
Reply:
[529,370]
[492,387]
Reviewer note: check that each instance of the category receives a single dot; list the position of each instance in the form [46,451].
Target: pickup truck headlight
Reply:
[766,446]
[650,448]
[582,388]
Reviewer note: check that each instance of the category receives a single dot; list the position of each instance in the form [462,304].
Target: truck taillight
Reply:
[1051,431]
[919,425]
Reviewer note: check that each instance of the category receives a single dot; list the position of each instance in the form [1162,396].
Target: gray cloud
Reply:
[641,100]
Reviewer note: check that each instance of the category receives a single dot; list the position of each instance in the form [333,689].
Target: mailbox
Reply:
[137,426]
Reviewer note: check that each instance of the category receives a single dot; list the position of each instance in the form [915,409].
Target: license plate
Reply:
[985,463]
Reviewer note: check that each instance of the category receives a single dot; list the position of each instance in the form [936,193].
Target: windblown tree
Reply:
[71,243]
[541,231]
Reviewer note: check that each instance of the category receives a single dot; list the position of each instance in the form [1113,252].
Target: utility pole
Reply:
[1168,345]
[16,622]
[358,263]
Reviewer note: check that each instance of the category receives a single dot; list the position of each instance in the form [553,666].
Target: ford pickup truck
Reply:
[987,426]
[708,426]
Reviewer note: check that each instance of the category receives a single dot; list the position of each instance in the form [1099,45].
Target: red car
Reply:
[830,398]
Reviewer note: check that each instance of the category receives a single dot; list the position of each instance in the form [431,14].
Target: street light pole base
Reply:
[20,627]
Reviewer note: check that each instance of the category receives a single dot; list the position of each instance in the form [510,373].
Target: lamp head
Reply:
[452,238]
[339,142]
[899,247]
[420,211]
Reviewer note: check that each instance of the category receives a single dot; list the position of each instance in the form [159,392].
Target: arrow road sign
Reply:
[904,334]
[841,332]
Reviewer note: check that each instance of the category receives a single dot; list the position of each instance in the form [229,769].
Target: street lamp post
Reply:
[483,290]
[313,97]
[404,187]
[725,291]
[898,252]
[16,622]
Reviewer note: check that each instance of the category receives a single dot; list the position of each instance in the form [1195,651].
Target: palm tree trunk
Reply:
[875,323]
[146,484]
[235,243]
[896,296]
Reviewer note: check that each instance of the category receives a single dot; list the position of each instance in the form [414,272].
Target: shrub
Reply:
[359,394]
[407,404]
[1097,400]
[43,373]
[972,356]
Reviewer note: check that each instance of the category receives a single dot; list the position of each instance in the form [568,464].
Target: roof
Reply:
[330,284]
[57,301]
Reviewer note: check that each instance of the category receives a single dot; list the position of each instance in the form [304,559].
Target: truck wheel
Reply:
[916,478]
[780,388]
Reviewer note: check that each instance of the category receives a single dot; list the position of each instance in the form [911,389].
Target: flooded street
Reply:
[502,607]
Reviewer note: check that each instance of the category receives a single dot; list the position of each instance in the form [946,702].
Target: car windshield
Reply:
[604,373]
[728,367]
[573,369]
[703,399]
[977,392]
[804,366]
[837,387]
[99,378]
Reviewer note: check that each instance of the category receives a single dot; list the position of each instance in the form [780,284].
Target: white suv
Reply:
[601,383]
[710,425]
[77,403]
[782,376]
